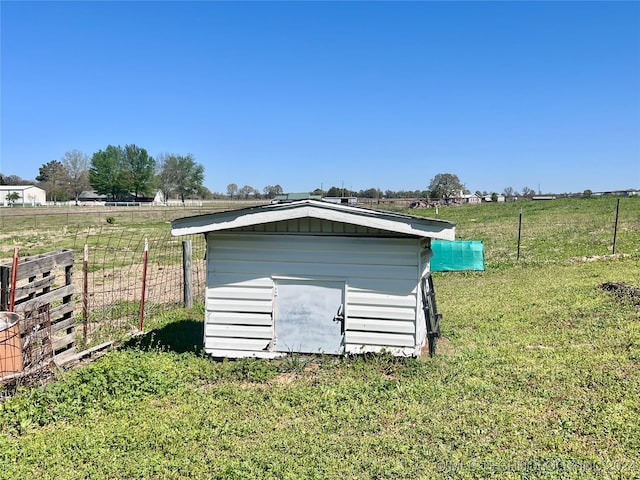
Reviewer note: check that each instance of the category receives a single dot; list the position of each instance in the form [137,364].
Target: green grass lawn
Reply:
[537,376]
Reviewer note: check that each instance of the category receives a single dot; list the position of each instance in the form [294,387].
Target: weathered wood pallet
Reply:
[43,294]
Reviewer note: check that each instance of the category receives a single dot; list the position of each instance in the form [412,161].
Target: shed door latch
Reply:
[340,318]
[339,315]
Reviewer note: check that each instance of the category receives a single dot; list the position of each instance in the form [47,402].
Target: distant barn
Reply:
[26,195]
[317,277]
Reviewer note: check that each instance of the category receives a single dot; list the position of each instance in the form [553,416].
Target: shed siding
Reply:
[380,275]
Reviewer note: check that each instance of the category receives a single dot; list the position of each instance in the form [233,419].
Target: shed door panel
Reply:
[305,317]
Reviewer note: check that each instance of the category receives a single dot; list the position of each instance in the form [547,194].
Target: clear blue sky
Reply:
[304,94]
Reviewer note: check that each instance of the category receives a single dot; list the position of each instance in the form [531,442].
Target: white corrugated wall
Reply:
[381,277]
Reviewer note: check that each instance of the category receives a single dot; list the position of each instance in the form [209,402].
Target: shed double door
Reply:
[309,316]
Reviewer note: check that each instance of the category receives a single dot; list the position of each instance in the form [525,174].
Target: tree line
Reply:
[119,173]
[130,173]
[441,186]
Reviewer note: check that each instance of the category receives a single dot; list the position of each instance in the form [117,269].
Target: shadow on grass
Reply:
[180,337]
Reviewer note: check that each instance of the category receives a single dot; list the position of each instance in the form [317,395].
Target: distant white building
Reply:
[543,197]
[341,200]
[463,198]
[28,195]
[158,198]
[471,198]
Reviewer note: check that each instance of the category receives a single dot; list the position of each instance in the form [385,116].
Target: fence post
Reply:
[14,276]
[5,275]
[187,273]
[615,227]
[519,233]
[85,294]
[145,257]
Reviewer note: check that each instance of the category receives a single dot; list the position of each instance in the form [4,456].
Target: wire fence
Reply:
[112,282]
[115,279]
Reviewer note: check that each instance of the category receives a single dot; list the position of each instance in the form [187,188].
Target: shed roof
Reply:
[382,220]
[18,187]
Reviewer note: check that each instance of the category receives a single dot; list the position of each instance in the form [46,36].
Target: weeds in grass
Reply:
[295,362]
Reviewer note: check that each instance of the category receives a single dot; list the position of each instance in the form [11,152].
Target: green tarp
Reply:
[458,255]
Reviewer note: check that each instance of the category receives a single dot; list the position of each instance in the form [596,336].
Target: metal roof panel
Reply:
[382,220]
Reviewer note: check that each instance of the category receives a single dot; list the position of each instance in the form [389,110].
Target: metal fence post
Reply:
[519,234]
[145,258]
[615,227]
[187,273]
[85,294]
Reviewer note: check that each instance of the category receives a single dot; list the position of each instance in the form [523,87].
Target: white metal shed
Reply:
[27,195]
[313,276]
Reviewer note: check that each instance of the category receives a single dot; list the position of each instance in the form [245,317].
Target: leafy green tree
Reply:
[13,197]
[119,172]
[50,171]
[370,193]
[334,192]
[77,166]
[445,185]
[180,175]
[205,193]
[54,179]
[408,194]
[139,168]
[107,174]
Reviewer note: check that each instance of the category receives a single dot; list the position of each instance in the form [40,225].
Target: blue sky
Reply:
[308,94]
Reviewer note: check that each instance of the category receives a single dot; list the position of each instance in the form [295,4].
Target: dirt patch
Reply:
[598,258]
[623,291]
[443,347]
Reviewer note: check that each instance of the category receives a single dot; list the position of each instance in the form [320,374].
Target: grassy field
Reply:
[537,376]
[42,229]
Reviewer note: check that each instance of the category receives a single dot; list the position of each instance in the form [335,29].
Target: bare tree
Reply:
[271,191]
[13,180]
[528,192]
[232,189]
[246,191]
[76,164]
[508,192]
